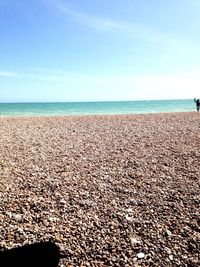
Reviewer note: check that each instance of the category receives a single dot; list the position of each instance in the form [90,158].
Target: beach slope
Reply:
[109,190]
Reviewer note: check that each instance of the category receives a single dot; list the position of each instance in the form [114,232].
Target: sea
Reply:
[96,108]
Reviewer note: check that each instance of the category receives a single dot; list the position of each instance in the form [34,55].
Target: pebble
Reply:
[140,255]
[17,217]
[171,257]
[169,233]
[129,218]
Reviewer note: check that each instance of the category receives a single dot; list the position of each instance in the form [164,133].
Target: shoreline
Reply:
[109,190]
[2,116]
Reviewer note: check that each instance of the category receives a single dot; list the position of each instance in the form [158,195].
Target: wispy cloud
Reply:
[7,74]
[98,23]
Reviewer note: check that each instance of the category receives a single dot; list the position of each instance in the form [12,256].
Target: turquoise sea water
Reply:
[93,108]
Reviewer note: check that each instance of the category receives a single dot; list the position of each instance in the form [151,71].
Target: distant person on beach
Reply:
[197,101]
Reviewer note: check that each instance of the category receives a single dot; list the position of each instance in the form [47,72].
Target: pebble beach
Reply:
[110,190]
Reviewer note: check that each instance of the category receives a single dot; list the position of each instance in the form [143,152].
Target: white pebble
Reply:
[140,255]
[128,218]
[171,257]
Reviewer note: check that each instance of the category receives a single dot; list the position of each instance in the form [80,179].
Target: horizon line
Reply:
[92,101]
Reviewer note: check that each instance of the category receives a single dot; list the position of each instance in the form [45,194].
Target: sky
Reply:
[98,50]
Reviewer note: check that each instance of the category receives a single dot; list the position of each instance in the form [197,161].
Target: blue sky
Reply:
[74,50]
